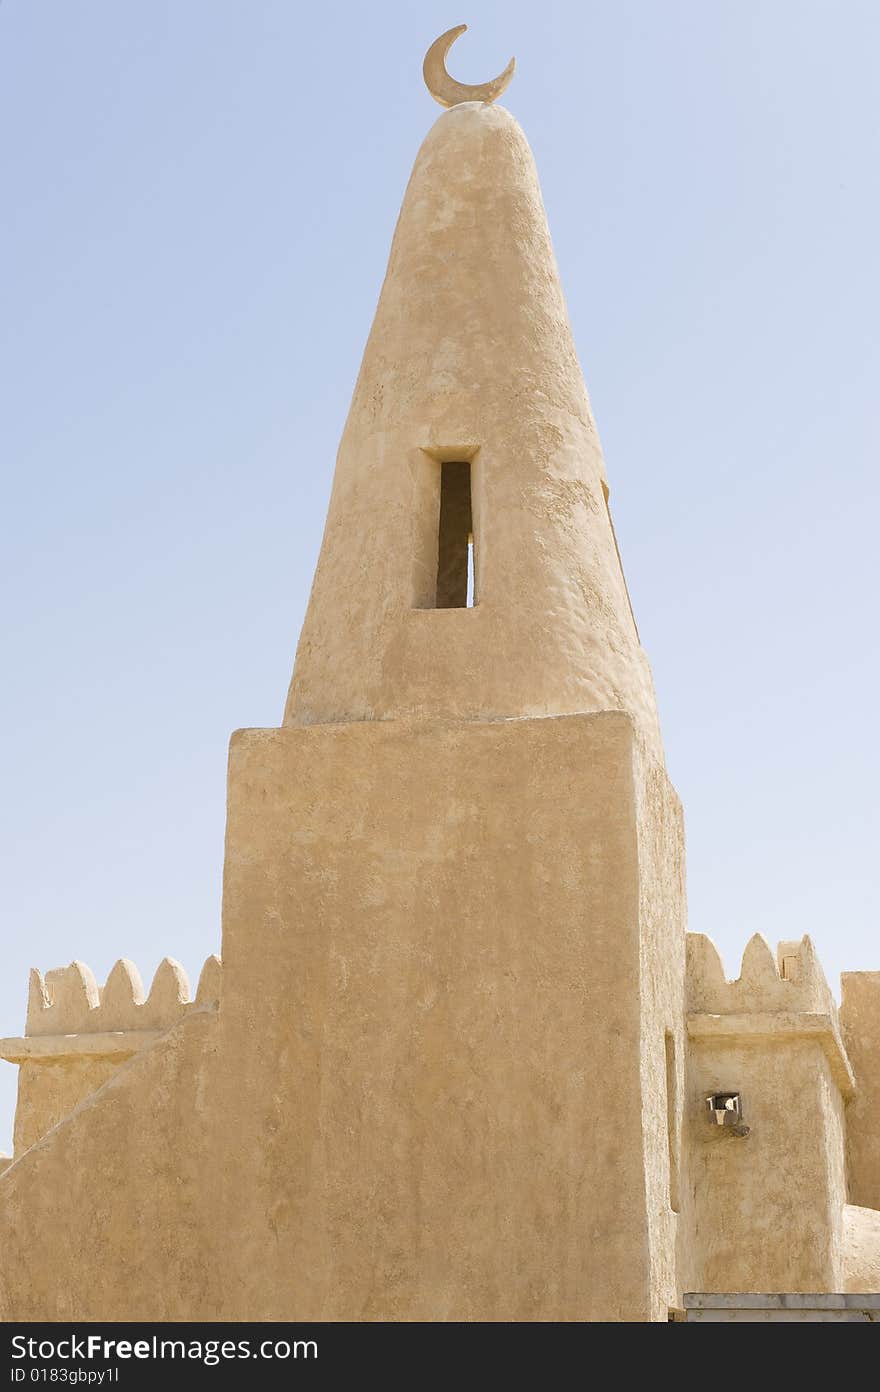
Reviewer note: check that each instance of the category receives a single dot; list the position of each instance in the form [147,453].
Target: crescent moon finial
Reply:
[444,88]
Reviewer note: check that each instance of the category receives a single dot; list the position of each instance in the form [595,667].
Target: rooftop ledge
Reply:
[52,1048]
[776,1027]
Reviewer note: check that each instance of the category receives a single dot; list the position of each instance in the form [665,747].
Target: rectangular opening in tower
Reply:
[455,542]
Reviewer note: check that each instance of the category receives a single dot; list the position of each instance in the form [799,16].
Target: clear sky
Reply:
[199,198]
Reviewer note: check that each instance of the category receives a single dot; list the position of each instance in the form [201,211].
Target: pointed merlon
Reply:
[122,997]
[811,980]
[38,1002]
[73,998]
[706,981]
[758,964]
[169,995]
[208,989]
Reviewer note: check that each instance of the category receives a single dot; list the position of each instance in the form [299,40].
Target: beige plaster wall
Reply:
[470,357]
[425,1096]
[860,1021]
[88,1030]
[662,998]
[440,1091]
[450,1077]
[767,1208]
[112,1215]
[432,964]
[48,1091]
[861,1249]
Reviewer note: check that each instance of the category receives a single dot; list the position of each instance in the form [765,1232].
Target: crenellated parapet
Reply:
[69,1015]
[775,997]
[68,1000]
[77,1033]
[792,979]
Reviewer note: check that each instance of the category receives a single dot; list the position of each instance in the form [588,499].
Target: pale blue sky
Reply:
[198,202]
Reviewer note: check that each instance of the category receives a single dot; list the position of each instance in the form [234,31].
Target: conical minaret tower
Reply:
[453,945]
[447,1069]
[470,438]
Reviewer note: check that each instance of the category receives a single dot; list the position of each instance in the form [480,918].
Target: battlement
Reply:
[68,1000]
[792,980]
[774,999]
[84,1031]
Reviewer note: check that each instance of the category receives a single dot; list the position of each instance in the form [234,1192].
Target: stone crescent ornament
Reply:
[445,89]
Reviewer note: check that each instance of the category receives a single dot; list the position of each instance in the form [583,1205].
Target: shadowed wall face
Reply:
[455,536]
[860,1018]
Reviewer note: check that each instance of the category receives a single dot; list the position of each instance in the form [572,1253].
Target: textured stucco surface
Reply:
[48,1092]
[861,1249]
[439,930]
[79,1032]
[463,1045]
[470,356]
[860,1020]
[768,1207]
[661,1000]
[422,1095]
[110,1215]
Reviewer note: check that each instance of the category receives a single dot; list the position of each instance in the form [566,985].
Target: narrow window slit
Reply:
[455,542]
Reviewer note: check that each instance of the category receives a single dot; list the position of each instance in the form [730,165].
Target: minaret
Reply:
[440,1073]
[453,923]
[470,431]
